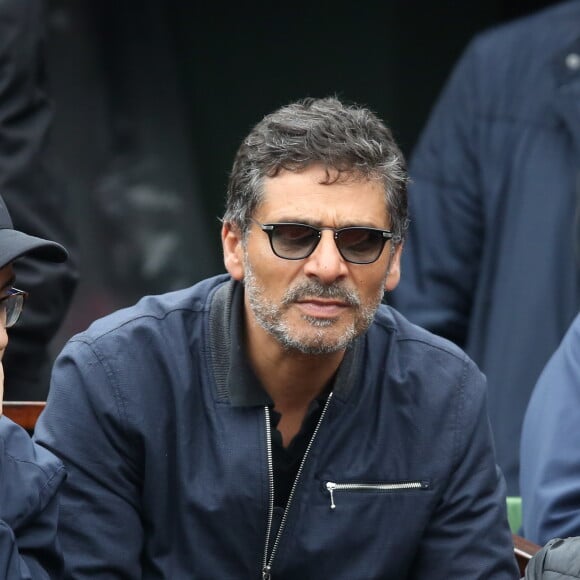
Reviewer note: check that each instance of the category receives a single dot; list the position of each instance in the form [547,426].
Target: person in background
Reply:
[30,476]
[493,254]
[557,560]
[37,202]
[278,421]
[550,460]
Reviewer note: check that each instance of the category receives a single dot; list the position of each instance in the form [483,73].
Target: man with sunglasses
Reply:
[278,421]
[30,476]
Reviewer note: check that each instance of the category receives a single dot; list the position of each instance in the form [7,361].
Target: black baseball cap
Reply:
[14,244]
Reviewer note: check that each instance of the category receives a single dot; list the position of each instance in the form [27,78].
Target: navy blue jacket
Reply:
[492,258]
[30,477]
[169,479]
[550,454]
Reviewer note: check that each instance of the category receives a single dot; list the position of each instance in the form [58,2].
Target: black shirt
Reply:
[247,391]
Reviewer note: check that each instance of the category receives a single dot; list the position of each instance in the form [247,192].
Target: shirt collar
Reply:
[245,389]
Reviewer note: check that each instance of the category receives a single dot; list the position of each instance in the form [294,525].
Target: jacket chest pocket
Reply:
[335,489]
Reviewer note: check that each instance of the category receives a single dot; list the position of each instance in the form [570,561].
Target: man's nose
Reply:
[326,263]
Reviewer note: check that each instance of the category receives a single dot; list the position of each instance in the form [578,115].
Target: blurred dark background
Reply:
[153,97]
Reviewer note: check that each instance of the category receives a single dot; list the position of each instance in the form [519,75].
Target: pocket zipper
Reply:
[331,487]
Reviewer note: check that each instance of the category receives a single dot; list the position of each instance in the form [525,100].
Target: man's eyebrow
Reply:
[321,224]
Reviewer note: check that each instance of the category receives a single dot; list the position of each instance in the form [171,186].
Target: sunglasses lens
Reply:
[294,241]
[12,308]
[360,245]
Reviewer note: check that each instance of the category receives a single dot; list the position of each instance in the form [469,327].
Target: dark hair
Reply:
[347,139]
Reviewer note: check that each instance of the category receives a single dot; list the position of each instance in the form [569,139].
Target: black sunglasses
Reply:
[357,244]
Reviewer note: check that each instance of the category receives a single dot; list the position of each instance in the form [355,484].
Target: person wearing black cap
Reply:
[30,476]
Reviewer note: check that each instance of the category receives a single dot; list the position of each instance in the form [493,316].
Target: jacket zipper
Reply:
[331,487]
[267,562]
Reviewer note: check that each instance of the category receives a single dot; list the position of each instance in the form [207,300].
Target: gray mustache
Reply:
[316,290]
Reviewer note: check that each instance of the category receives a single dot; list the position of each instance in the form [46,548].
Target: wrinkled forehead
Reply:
[315,196]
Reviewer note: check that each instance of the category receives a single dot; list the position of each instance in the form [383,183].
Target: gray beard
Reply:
[269,314]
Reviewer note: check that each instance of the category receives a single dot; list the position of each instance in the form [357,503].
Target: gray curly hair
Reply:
[348,140]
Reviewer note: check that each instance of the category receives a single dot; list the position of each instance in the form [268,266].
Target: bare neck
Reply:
[292,379]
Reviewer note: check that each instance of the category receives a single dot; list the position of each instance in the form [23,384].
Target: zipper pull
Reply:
[330,487]
[266,573]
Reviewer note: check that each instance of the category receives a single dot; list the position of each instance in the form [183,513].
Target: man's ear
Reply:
[233,250]
[394,271]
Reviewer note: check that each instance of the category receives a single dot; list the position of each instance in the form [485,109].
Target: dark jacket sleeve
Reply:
[37,203]
[550,468]
[85,424]
[441,257]
[469,535]
[30,477]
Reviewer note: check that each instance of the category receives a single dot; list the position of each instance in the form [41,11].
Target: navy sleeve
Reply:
[85,424]
[440,260]
[29,481]
[468,535]
[550,465]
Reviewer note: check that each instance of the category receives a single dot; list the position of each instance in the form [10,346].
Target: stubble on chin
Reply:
[318,338]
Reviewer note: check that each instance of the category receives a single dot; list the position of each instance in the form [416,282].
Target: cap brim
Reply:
[15,244]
